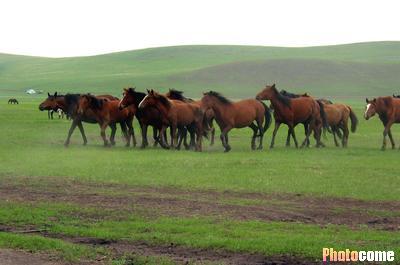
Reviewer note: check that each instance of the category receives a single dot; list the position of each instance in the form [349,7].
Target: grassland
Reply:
[241,202]
[351,70]
[96,205]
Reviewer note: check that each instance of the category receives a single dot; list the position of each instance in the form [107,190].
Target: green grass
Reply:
[240,71]
[32,146]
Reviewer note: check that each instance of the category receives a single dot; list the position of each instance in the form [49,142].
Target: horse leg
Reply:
[261,130]
[156,136]
[226,139]
[173,135]
[253,138]
[71,130]
[113,127]
[162,137]
[199,138]
[334,132]
[212,133]
[310,127]
[306,125]
[277,124]
[131,133]
[182,132]
[391,139]
[345,135]
[388,125]
[103,128]
[291,130]
[144,136]
[288,138]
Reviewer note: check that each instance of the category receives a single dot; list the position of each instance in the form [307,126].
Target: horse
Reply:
[388,109]
[238,114]
[106,112]
[146,116]
[320,100]
[175,114]
[208,114]
[337,116]
[69,104]
[13,101]
[292,111]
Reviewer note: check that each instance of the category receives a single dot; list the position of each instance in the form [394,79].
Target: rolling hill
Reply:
[350,70]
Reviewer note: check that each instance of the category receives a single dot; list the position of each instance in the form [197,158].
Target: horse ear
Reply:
[273,86]
[366,100]
[55,94]
[374,100]
[48,94]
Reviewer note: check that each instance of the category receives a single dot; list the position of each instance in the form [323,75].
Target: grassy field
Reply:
[352,70]
[270,203]
[120,206]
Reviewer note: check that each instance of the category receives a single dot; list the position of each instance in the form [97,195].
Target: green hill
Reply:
[351,70]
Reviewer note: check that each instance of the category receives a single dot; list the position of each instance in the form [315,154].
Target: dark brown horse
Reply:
[238,114]
[388,109]
[337,117]
[292,111]
[13,101]
[69,104]
[175,114]
[149,116]
[107,113]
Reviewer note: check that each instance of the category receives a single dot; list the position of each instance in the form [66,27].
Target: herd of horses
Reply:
[190,120]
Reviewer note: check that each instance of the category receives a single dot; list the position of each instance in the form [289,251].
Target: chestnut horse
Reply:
[146,116]
[238,114]
[292,111]
[337,116]
[106,113]
[69,104]
[208,114]
[175,114]
[388,109]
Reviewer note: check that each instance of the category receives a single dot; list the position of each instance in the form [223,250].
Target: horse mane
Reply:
[164,100]
[289,94]
[220,97]
[138,96]
[178,95]
[283,99]
[95,103]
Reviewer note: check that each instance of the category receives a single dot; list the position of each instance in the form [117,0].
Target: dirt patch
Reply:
[18,257]
[187,203]
[184,255]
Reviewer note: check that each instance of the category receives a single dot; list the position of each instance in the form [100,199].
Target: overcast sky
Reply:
[60,28]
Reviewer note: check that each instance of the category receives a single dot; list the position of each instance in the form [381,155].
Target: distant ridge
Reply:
[359,69]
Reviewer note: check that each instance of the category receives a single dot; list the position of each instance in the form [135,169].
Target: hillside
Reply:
[351,70]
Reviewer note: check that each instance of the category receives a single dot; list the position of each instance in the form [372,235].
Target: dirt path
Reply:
[234,205]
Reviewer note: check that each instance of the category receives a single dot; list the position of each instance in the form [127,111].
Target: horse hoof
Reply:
[227,149]
[259,148]
[383,148]
[112,143]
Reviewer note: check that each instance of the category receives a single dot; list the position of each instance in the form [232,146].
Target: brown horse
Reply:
[388,109]
[146,116]
[239,114]
[337,117]
[208,114]
[106,112]
[175,114]
[292,111]
[69,104]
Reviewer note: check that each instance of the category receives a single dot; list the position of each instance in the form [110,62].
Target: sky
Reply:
[63,28]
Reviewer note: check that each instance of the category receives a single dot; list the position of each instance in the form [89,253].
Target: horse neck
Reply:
[276,103]
[62,104]
[220,109]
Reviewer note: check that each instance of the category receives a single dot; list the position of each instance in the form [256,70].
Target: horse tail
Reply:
[322,113]
[268,117]
[354,120]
